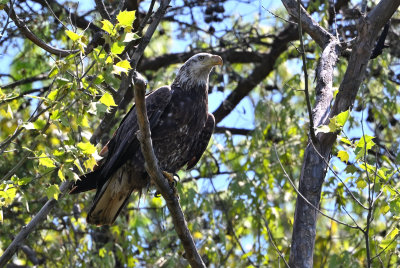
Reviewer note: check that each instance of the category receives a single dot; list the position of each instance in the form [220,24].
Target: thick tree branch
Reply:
[318,33]
[317,155]
[229,55]
[101,8]
[36,40]
[144,136]
[260,71]
[40,77]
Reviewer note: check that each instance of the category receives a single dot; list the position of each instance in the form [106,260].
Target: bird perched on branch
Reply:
[181,128]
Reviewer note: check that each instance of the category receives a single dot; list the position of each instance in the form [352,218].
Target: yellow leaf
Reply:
[44,160]
[343,155]
[86,147]
[108,27]
[197,235]
[126,18]
[61,175]
[73,36]
[107,100]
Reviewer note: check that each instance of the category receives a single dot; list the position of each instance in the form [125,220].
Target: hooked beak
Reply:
[216,60]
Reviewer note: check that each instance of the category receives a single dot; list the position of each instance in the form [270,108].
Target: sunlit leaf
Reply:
[343,155]
[53,191]
[73,36]
[126,18]
[107,99]
[108,27]
[86,147]
[46,161]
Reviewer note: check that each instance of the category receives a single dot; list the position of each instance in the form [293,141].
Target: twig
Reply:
[271,238]
[146,18]
[383,250]
[7,22]
[102,9]
[303,57]
[36,40]
[306,200]
[40,77]
[156,176]
[230,226]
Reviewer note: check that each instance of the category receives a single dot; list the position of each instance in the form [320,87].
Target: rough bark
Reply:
[314,167]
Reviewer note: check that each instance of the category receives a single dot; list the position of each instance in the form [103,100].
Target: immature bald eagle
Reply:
[181,128]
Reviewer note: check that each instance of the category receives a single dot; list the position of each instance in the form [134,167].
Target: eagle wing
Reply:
[201,145]
[124,143]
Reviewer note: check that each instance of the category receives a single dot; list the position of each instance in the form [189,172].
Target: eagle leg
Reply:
[171,180]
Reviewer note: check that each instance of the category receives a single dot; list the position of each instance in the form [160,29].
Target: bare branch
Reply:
[303,57]
[40,77]
[260,71]
[318,33]
[157,177]
[234,131]
[36,40]
[102,10]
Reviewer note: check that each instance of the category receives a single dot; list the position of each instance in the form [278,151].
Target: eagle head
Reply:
[195,71]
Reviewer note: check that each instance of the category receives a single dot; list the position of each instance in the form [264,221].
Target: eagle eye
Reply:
[201,57]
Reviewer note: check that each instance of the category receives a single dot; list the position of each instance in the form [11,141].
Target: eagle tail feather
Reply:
[87,182]
[109,201]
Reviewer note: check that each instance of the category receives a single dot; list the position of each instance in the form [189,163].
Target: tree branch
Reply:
[36,40]
[317,33]
[144,136]
[102,10]
[314,166]
[40,77]
[260,71]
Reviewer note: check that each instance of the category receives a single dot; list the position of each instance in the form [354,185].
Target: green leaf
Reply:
[61,175]
[395,206]
[56,114]
[53,71]
[102,252]
[9,112]
[366,142]
[73,36]
[39,124]
[388,242]
[108,27]
[117,48]
[46,161]
[53,94]
[342,118]
[121,67]
[361,184]
[343,155]
[107,99]
[345,140]
[86,147]
[126,18]
[53,191]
